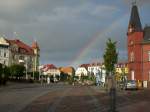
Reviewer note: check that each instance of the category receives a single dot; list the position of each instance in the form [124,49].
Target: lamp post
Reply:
[26,68]
[3,75]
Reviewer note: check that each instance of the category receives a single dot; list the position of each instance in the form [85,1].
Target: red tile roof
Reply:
[28,50]
[49,66]
[85,65]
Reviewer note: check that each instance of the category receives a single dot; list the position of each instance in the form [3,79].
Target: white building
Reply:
[81,71]
[98,70]
[50,70]
[4,52]
[94,69]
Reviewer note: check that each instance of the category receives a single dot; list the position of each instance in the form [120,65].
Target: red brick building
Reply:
[138,43]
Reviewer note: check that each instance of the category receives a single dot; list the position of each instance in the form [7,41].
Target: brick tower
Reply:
[134,39]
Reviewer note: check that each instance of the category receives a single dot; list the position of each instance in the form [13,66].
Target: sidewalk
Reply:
[17,85]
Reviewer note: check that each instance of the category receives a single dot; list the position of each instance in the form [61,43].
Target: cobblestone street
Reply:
[67,98]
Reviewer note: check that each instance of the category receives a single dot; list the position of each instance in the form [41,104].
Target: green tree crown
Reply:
[110,56]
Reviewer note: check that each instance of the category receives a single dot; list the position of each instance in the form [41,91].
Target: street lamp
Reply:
[26,68]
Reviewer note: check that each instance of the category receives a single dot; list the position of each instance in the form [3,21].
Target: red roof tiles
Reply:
[22,46]
[49,66]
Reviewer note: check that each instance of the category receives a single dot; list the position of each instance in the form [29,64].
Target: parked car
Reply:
[131,84]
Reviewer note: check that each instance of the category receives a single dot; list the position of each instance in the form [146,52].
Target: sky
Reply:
[70,32]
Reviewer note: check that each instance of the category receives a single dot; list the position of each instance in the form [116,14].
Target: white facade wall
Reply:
[52,72]
[81,71]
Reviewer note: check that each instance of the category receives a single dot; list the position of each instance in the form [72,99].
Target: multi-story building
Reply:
[82,70]
[121,71]
[95,69]
[17,52]
[138,43]
[4,52]
[67,70]
[51,71]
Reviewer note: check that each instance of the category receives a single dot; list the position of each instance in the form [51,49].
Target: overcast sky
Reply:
[70,32]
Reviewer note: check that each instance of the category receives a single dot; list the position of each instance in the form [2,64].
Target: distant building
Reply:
[68,70]
[82,70]
[17,52]
[50,70]
[94,69]
[121,71]
[122,68]
[138,44]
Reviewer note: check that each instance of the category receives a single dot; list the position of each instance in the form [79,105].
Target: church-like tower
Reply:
[134,39]
[36,51]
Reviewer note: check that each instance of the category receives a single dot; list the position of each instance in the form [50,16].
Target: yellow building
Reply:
[121,71]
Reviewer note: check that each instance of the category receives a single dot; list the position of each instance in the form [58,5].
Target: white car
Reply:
[131,84]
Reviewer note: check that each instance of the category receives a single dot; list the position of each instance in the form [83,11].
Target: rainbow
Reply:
[93,41]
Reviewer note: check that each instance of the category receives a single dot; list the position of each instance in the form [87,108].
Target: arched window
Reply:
[131,57]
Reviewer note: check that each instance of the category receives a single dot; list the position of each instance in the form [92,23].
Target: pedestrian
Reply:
[48,80]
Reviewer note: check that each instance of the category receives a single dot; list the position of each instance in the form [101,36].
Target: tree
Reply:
[110,59]
[4,74]
[17,70]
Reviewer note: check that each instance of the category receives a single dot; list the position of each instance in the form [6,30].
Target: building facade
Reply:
[121,71]
[138,44]
[17,52]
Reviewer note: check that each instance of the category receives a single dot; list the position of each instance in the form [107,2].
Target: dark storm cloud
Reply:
[63,27]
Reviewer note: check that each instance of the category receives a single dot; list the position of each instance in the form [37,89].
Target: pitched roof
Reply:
[135,22]
[67,70]
[22,45]
[48,66]
[85,65]
[35,45]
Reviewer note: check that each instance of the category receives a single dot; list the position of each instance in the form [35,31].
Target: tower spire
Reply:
[133,2]
[134,22]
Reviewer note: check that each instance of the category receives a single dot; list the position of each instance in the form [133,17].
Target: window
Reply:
[21,57]
[131,57]
[148,55]
[132,75]
[131,42]
[4,54]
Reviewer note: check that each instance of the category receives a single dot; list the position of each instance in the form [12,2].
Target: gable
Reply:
[3,41]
